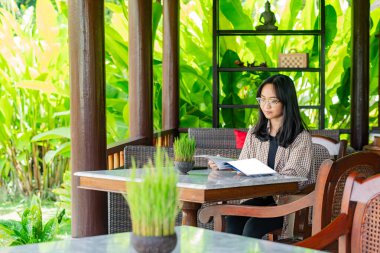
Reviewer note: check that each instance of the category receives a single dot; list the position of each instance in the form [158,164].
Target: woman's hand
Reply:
[212,165]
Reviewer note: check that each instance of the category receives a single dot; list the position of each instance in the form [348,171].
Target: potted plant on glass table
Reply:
[184,150]
[154,205]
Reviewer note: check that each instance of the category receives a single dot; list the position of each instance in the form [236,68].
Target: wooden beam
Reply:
[88,133]
[140,69]
[170,66]
[360,74]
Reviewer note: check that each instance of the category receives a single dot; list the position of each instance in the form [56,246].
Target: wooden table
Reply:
[198,187]
[189,239]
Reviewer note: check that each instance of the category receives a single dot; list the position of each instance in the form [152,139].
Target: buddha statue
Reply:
[267,19]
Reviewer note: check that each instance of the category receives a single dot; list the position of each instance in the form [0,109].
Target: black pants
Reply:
[254,227]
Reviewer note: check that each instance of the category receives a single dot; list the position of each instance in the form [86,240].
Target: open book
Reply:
[249,167]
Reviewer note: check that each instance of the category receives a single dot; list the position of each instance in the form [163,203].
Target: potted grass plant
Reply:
[154,205]
[184,150]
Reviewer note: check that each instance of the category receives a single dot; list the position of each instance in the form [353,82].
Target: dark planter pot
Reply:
[154,244]
[184,167]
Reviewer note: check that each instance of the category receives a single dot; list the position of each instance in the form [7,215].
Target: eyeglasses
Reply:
[270,101]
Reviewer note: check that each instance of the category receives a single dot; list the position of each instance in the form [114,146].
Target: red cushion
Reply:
[240,138]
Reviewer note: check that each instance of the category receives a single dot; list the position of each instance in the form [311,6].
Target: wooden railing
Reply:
[115,151]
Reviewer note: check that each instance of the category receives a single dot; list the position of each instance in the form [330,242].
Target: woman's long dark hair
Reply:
[292,121]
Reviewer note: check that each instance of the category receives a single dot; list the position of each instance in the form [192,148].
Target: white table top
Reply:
[190,239]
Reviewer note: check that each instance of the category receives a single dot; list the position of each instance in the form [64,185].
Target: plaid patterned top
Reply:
[295,160]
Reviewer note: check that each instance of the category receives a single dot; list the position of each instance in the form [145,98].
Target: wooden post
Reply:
[88,133]
[360,74]
[140,69]
[170,66]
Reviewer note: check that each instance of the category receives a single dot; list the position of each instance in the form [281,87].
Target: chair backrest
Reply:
[337,149]
[214,137]
[331,133]
[365,231]
[320,154]
[357,225]
[142,154]
[331,180]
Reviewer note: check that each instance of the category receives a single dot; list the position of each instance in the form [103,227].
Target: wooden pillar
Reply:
[360,73]
[88,133]
[170,65]
[140,69]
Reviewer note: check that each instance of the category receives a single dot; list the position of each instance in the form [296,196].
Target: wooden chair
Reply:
[331,133]
[299,223]
[325,199]
[336,148]
[358,224]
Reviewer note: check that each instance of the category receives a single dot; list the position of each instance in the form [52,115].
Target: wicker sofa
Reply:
[225,138]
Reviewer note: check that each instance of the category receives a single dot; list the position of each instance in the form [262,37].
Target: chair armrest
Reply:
[341,225]
[217,211]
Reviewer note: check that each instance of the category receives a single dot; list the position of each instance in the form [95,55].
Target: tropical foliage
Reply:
[240,87]
[63,194]
[34,97]
[34,80]
[31,228]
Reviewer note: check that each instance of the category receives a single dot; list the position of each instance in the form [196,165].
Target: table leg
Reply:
[190,213]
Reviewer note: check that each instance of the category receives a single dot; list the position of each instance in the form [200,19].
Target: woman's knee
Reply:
[235,224]
[258,227]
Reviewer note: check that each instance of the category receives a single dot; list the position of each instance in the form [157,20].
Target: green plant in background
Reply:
[34,95]
[196,59]
[240,87]
[153,202]
[31,228]
[184,149]
[63,194]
